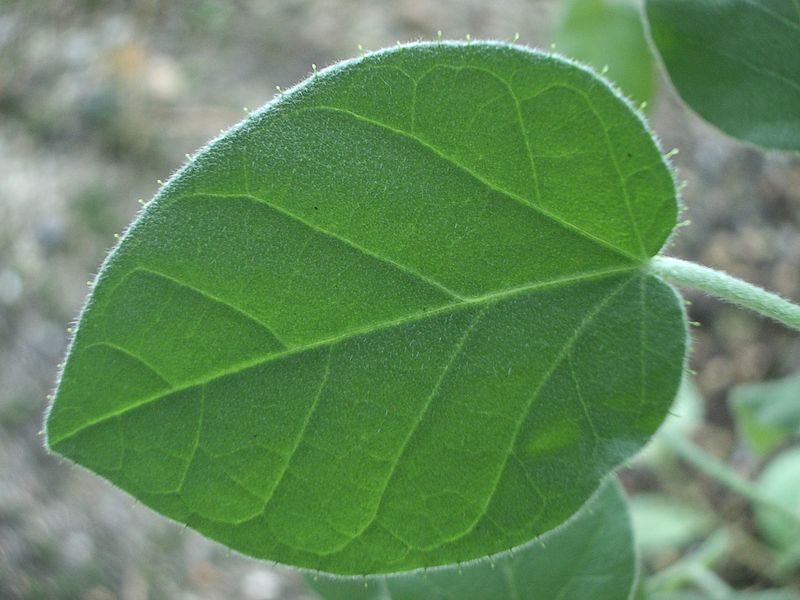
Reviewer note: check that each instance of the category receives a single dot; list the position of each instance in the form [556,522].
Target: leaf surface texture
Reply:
[592,556]
[395,319]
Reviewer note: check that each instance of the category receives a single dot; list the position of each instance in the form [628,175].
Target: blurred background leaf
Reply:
[663,523]
[767,414]
[609,33]
[737,63]
[780,482]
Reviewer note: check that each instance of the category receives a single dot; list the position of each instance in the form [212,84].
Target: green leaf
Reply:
[685,415]
[767,414]
[592,556]
[737,63]
[398,318]
[780,483]
[609,33]
[664,524]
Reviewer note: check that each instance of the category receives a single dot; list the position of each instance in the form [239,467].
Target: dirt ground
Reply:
[99,100]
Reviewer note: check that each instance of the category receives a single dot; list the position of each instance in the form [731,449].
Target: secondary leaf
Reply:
[664,524]
[780,483]
[592,556]
[737,63]
[767,414]
[397,318]
[609,33]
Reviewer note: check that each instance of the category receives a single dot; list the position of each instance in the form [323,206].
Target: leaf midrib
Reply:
[489,298]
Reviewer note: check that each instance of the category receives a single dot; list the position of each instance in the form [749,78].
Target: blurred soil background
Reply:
[99,100]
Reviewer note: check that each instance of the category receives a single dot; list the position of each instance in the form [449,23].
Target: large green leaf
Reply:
[735,62]
[767,414]
[592,556]
[609,33]
[397,318]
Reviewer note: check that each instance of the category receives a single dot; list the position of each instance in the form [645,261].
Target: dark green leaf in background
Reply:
[396,319]
[735,62]
[592,556]
[609,33]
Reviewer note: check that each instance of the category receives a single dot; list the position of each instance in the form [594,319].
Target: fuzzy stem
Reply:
[728,288]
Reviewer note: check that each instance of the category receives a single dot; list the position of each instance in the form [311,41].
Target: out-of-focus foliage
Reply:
[780,483]
[609,33]
[737,63]
[767,414]
[664,523]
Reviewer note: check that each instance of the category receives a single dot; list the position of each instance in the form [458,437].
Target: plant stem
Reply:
[728,288]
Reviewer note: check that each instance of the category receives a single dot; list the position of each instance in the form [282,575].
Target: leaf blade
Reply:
[592,554]
[360,330]
[735,63]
